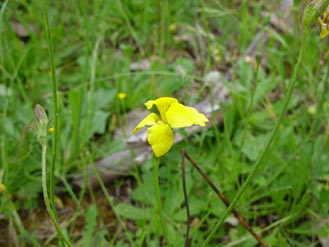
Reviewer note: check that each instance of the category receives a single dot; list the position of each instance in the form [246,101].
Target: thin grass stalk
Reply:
[267,228]
[244,135]
[251,103]
[3,174]
[206,26]
[111,202]
[308,157]
[158,198]
[46,197]
[3,7]
[77,141]
[16,218]
[266,150]
[50,204]
[55,111]
[226,202]
[186,199]
[305,140]
[130,26]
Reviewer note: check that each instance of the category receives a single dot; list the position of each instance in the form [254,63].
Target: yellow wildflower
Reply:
[172,115]
[324,24]
[121,96]
[173,27]
[312,109]
[51,129]
[2,187]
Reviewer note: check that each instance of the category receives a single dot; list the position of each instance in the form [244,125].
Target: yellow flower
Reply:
[51,130]
[324,24]
[2,187]
[172,115]
[173,27]
[121,95]
[312,109]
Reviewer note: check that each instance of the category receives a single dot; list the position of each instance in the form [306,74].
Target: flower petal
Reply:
[161,138]
[162,104]
[150,119]
[179,116]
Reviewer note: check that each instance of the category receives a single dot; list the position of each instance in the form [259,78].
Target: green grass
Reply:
[95,42]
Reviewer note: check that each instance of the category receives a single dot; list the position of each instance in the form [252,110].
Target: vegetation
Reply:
[96,62]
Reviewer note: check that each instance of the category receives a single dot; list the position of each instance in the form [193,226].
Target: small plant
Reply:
[41,126]
[161,137]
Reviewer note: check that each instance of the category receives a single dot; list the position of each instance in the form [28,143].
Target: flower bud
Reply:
[41,123]
[258,58]
[2,188]
[311,12]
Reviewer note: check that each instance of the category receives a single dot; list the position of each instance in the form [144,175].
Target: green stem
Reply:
[5,167]
[76,144]
[50,204]
[130,26]
[244,135]
[111,202]
[248,114]
[46,198]
[157,194]
[206,26]
[266,150]
[54,94]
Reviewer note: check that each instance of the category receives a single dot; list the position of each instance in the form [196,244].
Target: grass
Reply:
[95,43]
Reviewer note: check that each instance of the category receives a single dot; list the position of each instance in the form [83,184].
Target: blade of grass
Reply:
[51,204]
[266,150]
[111,202]
[226,202]
[186,200]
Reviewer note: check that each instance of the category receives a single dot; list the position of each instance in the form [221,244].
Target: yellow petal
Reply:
[151,119]
[162,104]
[121,95]
[179,116]
[324,33]
[324,29]
[161,138]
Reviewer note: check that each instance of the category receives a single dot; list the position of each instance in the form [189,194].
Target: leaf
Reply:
[264,87]
[74,101]
[99,122]
[253,144]
[91,220]
[103,98]
[131,212]
[144,193]
[196,206]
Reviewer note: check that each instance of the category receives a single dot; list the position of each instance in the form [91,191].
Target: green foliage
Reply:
[95,44]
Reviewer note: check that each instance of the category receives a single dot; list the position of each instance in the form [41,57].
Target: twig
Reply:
[185,197]
[222,197]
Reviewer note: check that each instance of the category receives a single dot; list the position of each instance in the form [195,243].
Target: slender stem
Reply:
[5,167]
[244,134]
[227,134]
[157,194]
[206,26]
[130,26]
[308,156]
[185,197]
[46,198]
[319,108]
[163,27]
[254,87]
[54,94]
[226,202]
[111,202]
[266,150]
